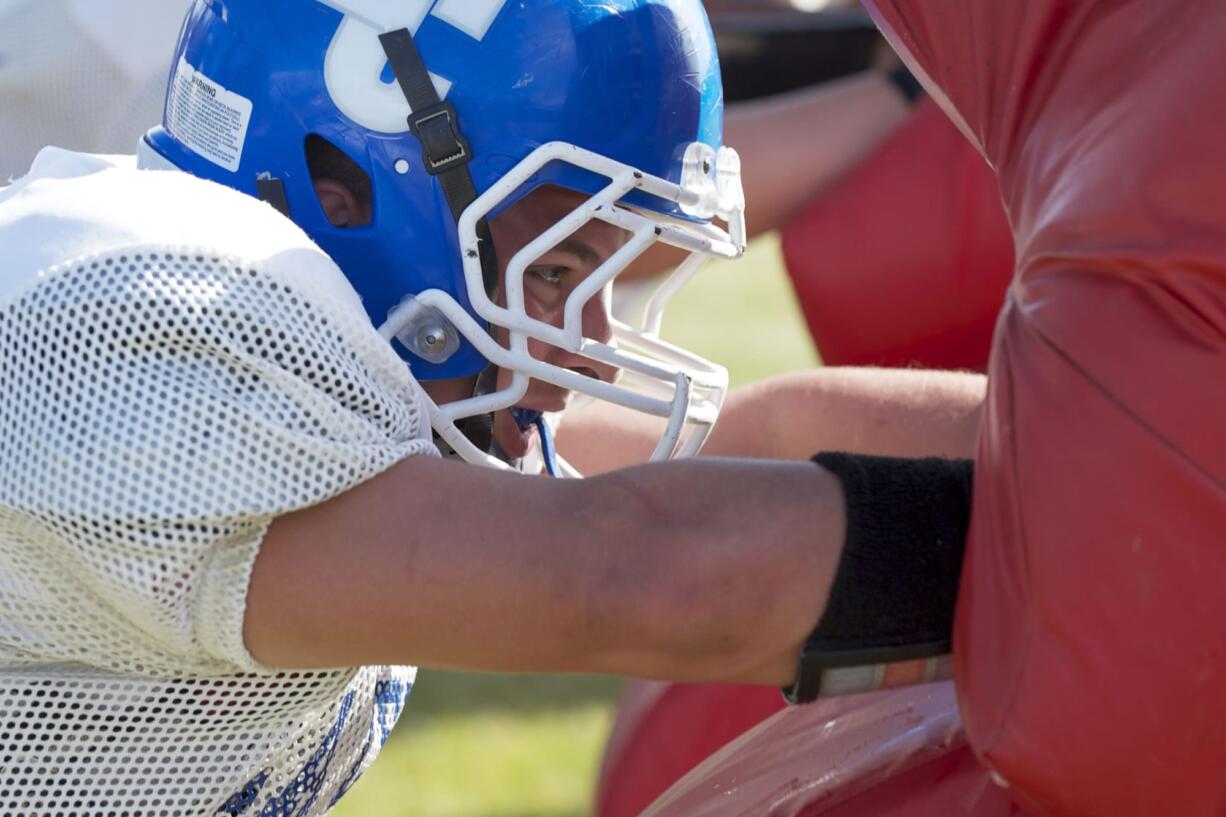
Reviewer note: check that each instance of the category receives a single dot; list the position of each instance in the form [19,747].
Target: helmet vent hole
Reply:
[342,187]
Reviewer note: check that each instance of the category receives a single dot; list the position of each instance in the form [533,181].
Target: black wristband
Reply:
[896,585]
[906,83]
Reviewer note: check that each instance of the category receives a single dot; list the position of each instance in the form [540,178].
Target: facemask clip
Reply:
[424,331]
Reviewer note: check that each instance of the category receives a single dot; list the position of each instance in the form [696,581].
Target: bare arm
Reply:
[793,145]
[693,570]
[707,570]
[889,412]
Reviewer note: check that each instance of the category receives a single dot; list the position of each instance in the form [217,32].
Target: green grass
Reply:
[743,314]
[491,746]
[529,746]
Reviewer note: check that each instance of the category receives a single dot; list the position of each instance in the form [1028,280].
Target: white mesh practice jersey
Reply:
[178,366]
[81,74]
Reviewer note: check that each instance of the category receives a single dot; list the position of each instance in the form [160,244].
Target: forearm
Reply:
[885,412]
[698,570]
[736,561]
[888,412]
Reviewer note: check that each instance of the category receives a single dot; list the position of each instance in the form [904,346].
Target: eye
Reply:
[550,275]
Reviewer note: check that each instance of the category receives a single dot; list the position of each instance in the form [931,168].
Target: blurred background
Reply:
[771,46]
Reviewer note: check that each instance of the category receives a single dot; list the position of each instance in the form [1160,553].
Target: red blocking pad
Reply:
[905,261]
[1088,639]
[900,753]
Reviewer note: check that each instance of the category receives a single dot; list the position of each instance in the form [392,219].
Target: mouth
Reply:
[515,429]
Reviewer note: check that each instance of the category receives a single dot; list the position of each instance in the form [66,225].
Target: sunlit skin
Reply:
[548,283]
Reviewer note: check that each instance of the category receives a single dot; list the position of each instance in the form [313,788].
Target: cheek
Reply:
[543,302]
[539,349]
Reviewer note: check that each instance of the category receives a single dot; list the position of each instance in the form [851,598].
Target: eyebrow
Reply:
[581,250]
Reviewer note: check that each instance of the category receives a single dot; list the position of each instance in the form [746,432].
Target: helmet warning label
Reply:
[206,117]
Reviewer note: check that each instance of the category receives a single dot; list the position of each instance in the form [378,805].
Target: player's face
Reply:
[548,283]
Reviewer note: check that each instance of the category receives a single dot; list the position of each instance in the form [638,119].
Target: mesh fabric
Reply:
[159,406]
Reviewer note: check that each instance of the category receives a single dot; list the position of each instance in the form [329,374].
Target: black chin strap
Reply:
[445,152]
[480,429]
[273,191]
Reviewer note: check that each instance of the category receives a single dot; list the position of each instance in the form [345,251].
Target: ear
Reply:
[340,204]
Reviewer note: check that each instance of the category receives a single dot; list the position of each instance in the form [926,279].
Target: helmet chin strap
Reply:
[479,429]
[445,153]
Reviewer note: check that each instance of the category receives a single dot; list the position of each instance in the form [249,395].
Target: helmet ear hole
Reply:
[342,187]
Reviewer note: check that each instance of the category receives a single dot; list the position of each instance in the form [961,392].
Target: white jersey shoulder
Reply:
[75,204]
[178,366]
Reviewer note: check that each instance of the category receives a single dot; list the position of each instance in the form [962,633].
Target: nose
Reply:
[597,326]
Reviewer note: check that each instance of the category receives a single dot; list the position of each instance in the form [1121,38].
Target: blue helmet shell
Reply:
[634,80]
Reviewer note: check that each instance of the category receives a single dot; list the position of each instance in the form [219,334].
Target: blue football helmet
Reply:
[455,110]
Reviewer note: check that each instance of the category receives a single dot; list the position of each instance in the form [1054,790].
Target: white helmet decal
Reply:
[355,61]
